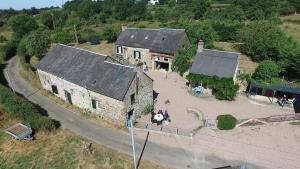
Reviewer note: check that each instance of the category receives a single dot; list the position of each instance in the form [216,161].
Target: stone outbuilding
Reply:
[155,48]
[222,64]
[96,83]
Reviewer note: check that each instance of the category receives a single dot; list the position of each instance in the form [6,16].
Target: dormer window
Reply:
[119,49]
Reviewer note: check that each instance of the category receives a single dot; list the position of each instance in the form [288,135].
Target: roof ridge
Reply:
[224,51]
[156,28]
[104,55]
[118,64]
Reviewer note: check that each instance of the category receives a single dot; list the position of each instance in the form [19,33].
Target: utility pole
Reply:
[76,37]
[133,145]
[53,21]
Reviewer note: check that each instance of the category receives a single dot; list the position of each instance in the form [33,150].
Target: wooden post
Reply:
[75,32]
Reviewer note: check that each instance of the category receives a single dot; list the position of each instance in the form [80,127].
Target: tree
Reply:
[22,24]
[295,4]
[199,30]
[263,40]
[62,36]
[267,72]
[111,34]
[259,9]
[200,7]
[37,43]
[183,60]
[47,20]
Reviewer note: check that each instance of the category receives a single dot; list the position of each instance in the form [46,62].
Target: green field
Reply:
[291,24]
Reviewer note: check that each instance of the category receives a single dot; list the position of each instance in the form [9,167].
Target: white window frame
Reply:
[119,50]
[97,104]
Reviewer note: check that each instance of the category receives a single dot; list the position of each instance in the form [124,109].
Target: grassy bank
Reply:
[60,149]
[291,24]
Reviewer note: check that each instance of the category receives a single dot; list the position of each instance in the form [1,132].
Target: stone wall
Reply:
[142,87]
[145,56]
[108,108]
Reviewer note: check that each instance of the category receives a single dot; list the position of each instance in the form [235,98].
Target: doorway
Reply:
[68,97]
[162,65]
[129,116]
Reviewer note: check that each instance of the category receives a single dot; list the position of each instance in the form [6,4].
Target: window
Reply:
[132,98]
[119,49]
[54,89]
[137,55]
[94,104]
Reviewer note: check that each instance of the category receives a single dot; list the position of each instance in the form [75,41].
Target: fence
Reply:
[164,128]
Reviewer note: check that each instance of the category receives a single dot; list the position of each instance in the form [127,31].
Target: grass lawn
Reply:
[6,32]
[291,24]
[245,62]
[59,150]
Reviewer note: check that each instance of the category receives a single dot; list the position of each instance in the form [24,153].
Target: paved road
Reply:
[173,157]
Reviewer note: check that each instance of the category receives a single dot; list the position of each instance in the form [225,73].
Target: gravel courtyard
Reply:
[172,87]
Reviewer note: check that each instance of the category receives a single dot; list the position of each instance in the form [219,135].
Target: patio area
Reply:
[186,111]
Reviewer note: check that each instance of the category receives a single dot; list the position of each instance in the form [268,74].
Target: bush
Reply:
[25,111]
[111,34]
[8,50]
[226,122]
[86,35]
[183,60]
[62,36]
[225,89]
[2,39]
[148,109]
[267,72]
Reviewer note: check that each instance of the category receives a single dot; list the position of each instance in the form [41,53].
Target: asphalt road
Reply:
[172,157]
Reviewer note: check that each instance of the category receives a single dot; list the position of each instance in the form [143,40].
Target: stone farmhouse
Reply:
[155,48]
[209,62]
[96,83]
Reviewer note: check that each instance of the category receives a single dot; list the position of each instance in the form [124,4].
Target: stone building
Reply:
[155,48]
[96,83]
[222,64]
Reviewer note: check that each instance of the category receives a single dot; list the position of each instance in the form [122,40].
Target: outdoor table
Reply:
[158,117]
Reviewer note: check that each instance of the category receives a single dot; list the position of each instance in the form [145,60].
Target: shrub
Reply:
[266,72]
[183,60]
[226,122]
[25,111]
[2,39]
[148,109]
[225,89]
[111,34]
[8,50]
[86,35]
[62,36]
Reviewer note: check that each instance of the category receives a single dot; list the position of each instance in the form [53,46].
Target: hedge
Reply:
[225,89]
[226,122]
[25,111]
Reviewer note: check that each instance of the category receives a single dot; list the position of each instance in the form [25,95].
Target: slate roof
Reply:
[89,70]
[166,41]
[215,63]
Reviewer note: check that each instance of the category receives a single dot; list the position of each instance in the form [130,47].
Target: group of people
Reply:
[285,101]
[160,117]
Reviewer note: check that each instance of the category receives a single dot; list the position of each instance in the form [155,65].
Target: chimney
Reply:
[124,27]
[200,46]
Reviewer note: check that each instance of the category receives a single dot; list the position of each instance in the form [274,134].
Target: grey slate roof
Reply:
[157,40]
[215,63]
[89,70]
